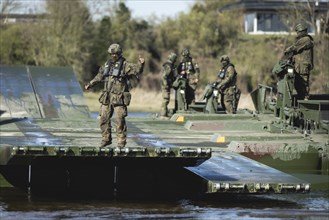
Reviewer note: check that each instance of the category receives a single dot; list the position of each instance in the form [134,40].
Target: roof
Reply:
[272,5]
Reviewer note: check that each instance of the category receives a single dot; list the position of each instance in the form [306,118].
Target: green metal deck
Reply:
[50,145]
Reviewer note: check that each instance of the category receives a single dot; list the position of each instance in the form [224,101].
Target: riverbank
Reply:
[150,101]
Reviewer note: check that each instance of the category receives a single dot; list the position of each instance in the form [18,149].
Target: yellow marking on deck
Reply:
[180,119]
[221,139]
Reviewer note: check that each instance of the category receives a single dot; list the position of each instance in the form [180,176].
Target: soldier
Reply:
[191,72]
[168,77]
[116,96]
[226,84]
[302,51]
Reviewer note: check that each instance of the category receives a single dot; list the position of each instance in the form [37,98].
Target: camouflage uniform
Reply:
[302,60]
[226,84]
[187,69]
[168,77]
[116,96]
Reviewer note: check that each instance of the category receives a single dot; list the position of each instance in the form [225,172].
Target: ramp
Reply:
[58,93]
[229,172]
[17,97]
[40,92]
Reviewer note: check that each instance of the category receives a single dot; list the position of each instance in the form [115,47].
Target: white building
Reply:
[275,16]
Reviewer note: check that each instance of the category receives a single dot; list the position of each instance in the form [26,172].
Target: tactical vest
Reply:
[222,72]
[188,66]
[222,75]
[115,79]
[304,56]
[114,69]
[171,76]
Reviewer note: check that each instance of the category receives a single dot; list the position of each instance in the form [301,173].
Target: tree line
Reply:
[67,35]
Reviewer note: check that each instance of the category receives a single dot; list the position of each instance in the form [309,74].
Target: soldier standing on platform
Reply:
[186,68]
[115,97]
[302,60]
[226,84]
[168,77]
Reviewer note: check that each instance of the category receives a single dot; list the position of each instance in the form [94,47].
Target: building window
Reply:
[270,22]
[249,22]
[264,23]
[267,23]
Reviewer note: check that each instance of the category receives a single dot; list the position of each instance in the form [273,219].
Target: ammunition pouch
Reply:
[105,98]
[116,99]
[123,98]
[126,98]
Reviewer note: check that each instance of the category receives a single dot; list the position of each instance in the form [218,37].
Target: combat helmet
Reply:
[115,49]
[300,27]
[186,52]
[172,57]
[224,58]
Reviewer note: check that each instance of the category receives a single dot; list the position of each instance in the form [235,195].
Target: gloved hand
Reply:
[289,50]
[87,86]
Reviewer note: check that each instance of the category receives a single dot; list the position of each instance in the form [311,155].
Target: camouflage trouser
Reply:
[190,93]
[181,95]
[106,113]
[227,100]
[165,101]
[301,83]
[190,90]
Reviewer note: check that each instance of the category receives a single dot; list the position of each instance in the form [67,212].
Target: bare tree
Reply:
[8,6]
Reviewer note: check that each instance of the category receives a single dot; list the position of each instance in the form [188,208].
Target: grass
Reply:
[150,101]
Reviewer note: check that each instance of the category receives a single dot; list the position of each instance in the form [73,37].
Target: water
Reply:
[16,204]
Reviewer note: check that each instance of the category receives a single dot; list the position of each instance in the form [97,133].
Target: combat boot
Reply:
[121,144]
[164,112]
[105,143]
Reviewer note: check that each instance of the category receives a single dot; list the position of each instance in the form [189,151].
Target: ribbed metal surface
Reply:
[228,172]
[17,97]
[41,92]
